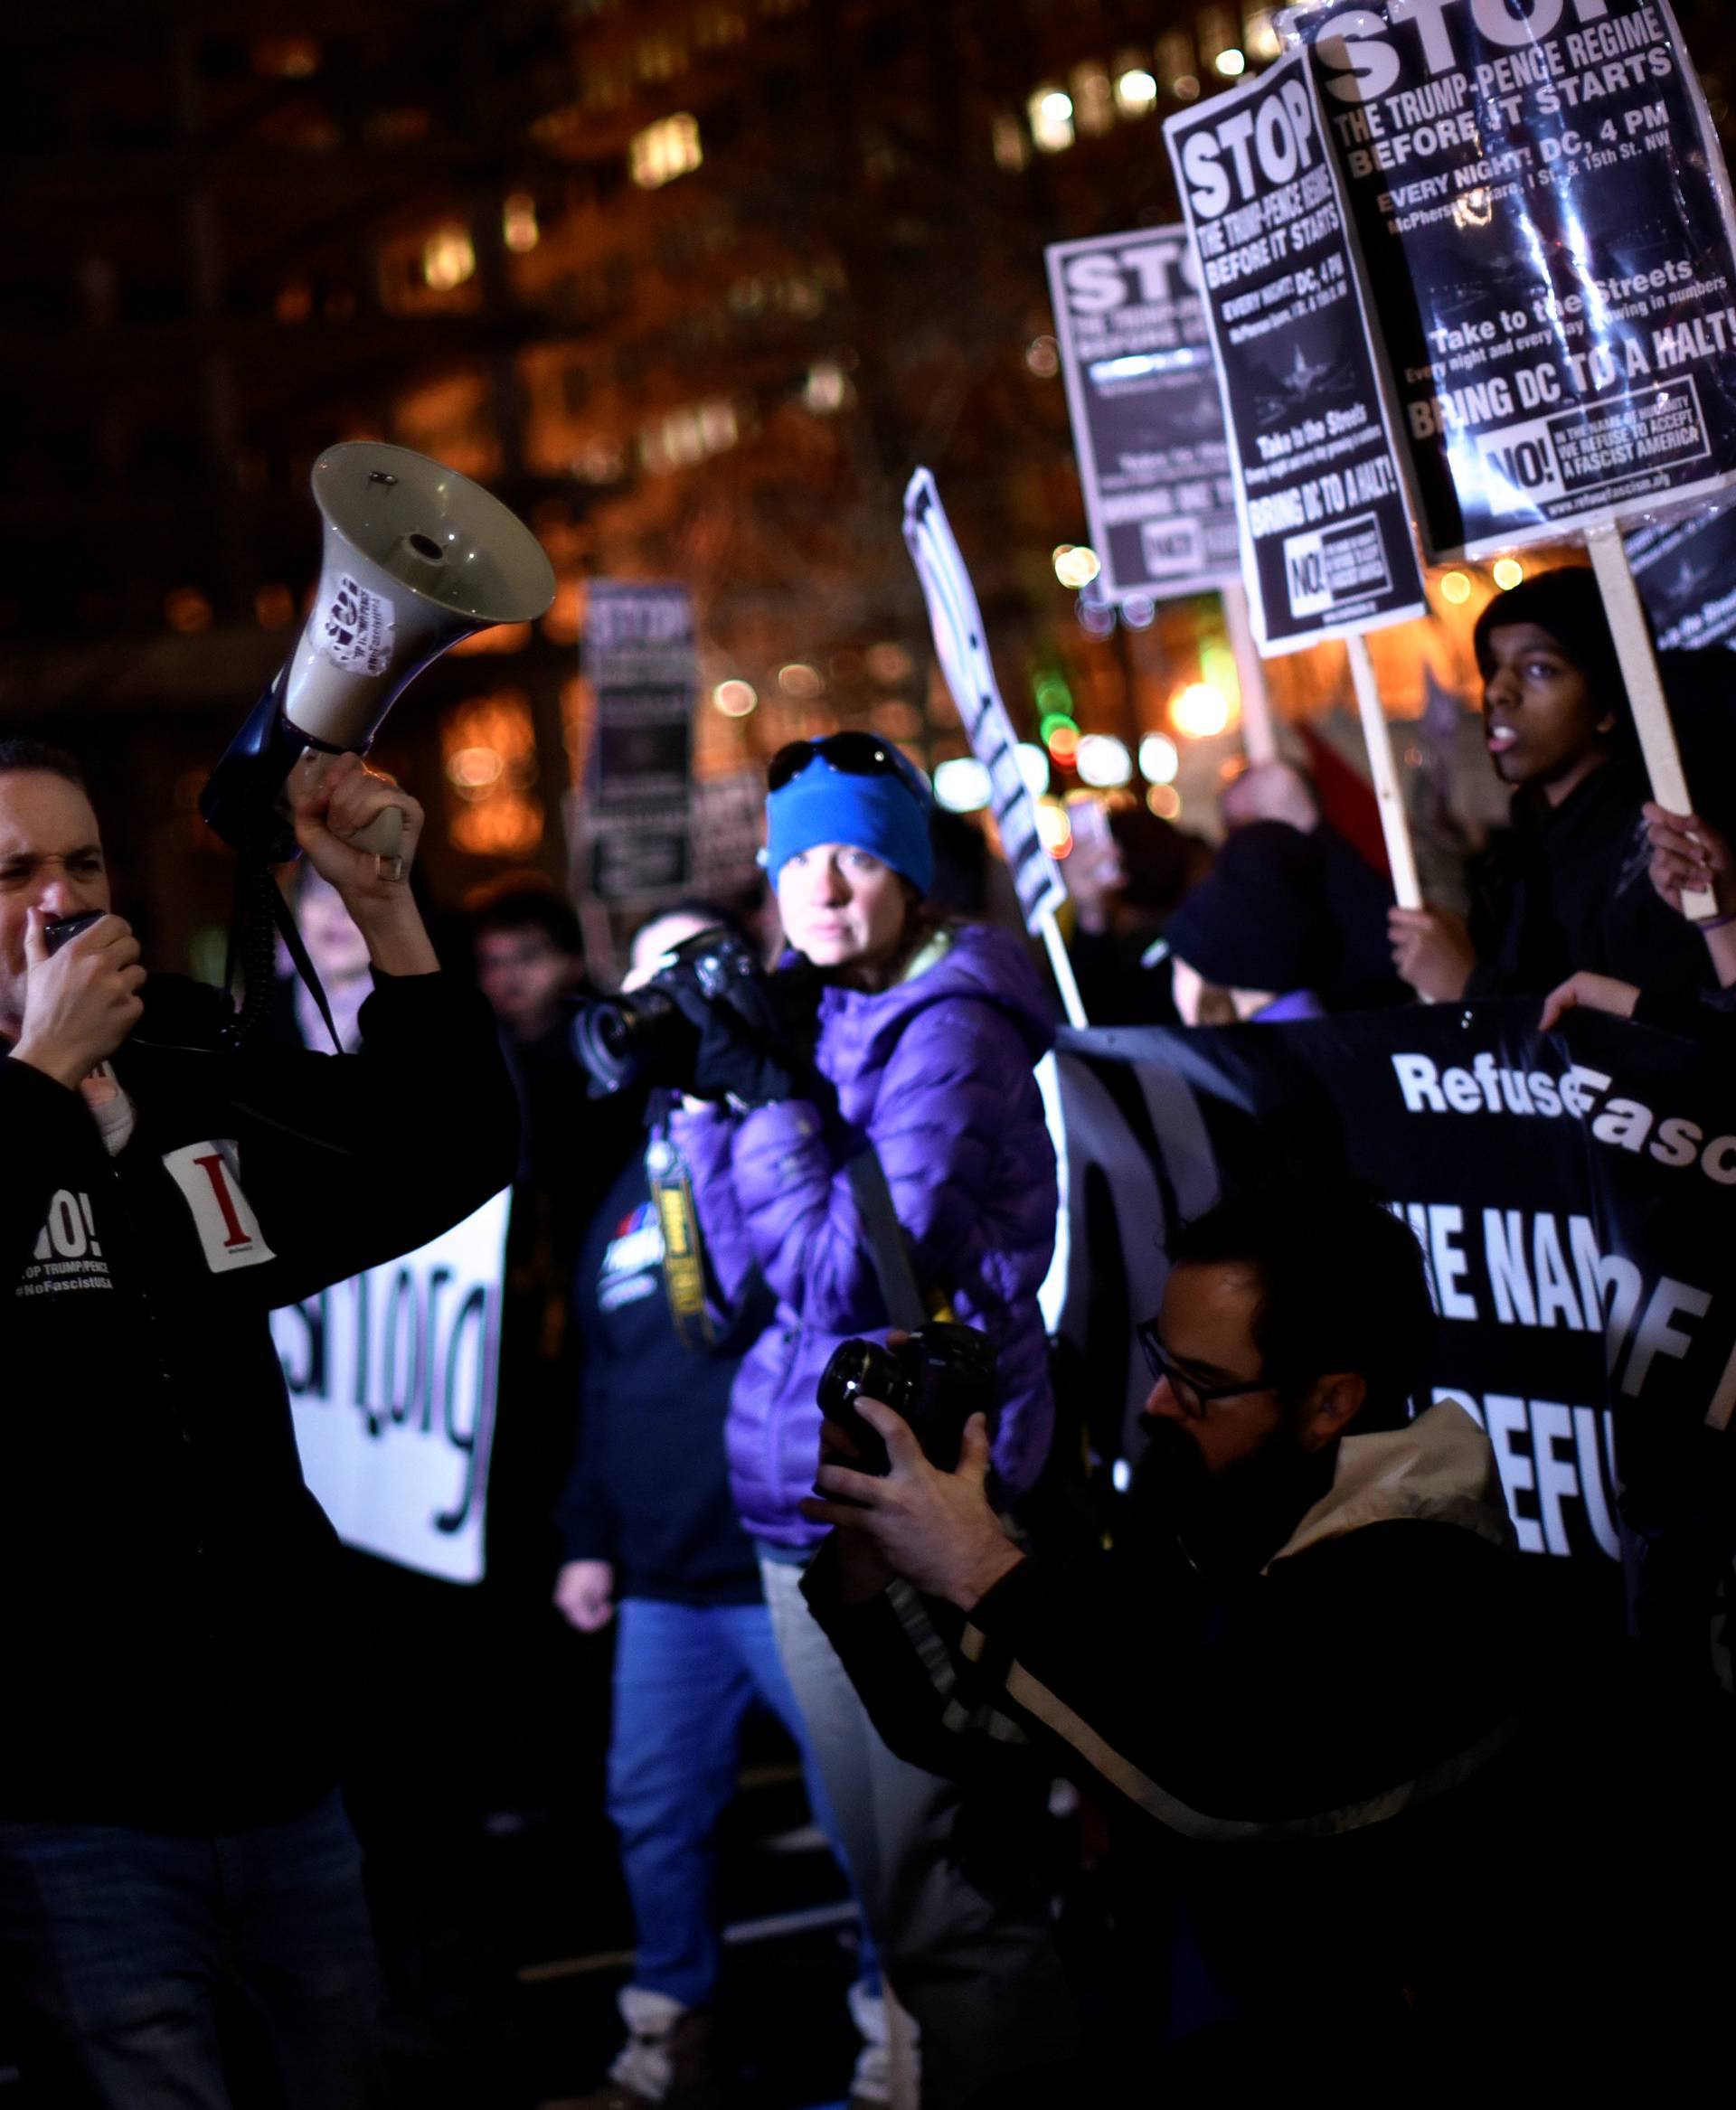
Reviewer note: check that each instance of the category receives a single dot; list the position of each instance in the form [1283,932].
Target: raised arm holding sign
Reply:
[1549,246]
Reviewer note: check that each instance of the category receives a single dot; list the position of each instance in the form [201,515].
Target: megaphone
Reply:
[416,557]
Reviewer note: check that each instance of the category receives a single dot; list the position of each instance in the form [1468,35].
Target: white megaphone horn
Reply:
[416,557]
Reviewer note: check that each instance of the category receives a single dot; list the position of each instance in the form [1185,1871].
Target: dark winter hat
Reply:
[1568,603]
[1260,920]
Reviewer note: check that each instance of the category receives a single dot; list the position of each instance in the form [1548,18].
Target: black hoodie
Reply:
[1579,898]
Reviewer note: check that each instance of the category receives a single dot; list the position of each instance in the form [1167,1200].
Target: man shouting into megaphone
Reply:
[170,1828]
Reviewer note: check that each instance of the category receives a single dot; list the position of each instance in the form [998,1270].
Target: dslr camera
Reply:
[936,1378]
[646,1035]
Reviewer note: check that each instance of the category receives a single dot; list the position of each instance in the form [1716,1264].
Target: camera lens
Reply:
[857,1367]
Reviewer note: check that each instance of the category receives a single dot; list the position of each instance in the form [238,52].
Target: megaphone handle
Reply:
[385,836]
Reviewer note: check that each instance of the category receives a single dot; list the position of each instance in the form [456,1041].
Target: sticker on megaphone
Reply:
[356,632]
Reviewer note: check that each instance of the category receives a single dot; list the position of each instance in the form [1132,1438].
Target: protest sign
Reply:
[1154,464]
[1545,227]
[640,659]
[1685,570]
[728,826]
[1326,537]
[961,646]
[391,1382]
[1573,1195]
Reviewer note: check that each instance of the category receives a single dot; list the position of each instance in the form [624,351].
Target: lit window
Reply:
[1010,151]
[449,259]
[718,426]
[489,748]
[1051,111]
[286,58]
[1219,28]
[1135,91]
[1093,99]
[518,228]
[187,610]
[666,150]
[1259,37]
[1175,59]
[659,58]
[826,388]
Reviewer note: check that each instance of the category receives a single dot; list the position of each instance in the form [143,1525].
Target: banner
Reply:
[1546,230]
[1325,534]
[1574,1197]
[962,650]
[391,1382]
[1154,464]
[1685,570]
[639,659]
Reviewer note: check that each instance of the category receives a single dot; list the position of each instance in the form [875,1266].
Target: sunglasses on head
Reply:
[856,754]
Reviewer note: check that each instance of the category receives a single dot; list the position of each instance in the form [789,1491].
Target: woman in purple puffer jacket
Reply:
[923,1048]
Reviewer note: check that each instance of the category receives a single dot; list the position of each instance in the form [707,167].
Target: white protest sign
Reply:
[1326,529]
[1547,228]
[963,652]
[391,1380]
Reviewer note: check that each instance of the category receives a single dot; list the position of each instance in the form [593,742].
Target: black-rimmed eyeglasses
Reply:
[1193,1396]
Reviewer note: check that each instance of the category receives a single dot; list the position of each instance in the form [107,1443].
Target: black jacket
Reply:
[650,1488]
[169,1580]
[1291,1752]
[1576,895]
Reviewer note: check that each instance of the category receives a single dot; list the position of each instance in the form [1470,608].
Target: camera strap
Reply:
[684,1253]
[886,1245]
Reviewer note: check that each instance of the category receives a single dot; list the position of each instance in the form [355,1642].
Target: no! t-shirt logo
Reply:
[228,1228]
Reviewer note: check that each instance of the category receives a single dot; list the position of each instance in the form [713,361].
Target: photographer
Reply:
[169,1826]
[1294,1685]
[918,1044]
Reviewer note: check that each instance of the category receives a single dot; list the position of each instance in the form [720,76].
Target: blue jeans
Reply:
[123,1944]
[685,1677]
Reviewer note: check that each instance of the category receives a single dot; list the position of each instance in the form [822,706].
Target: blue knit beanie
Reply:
[886,816]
